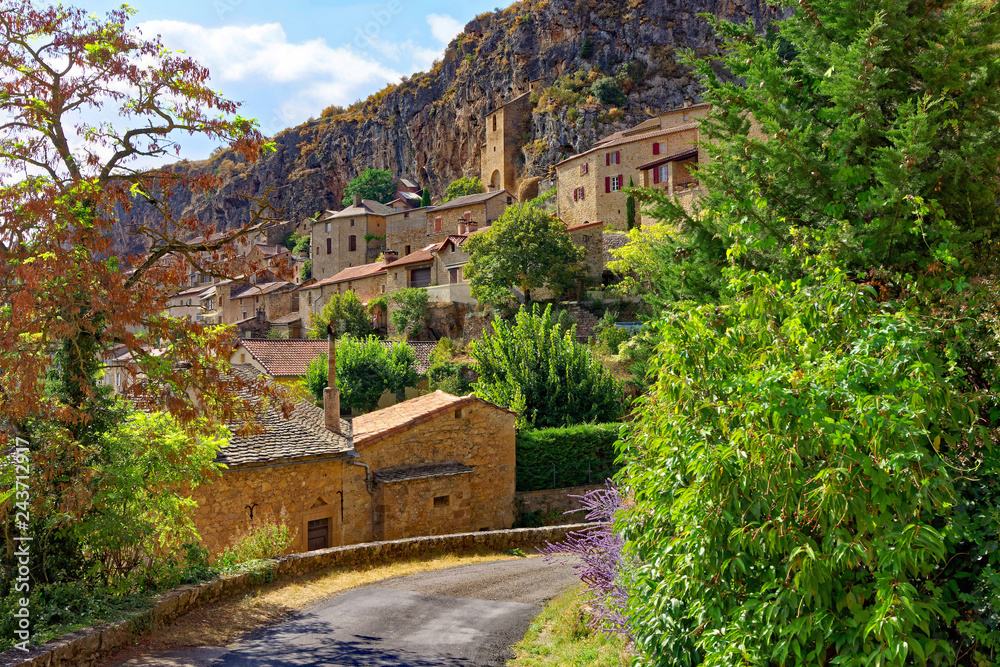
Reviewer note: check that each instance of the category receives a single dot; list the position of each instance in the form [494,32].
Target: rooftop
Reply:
[291,356]
[368,206]
[376,425]
[620,138]
[262,289]
[416,257]
[586,225]
[685,154]
[302,435]
[420,471]
[352,273]
[469,200]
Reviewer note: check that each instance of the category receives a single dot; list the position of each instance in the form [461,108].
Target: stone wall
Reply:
[554,503]
[591,239]
[407,229]
[479,435]
[402,508]
[87,647]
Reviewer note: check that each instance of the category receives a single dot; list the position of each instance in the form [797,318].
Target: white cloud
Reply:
[317,74]
[444,27]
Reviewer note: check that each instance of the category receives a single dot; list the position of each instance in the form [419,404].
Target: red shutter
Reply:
[656,175]
[607,159]
[621,182]
[576,192]
[656,148]
[607,184]
[618,157]
[581,192]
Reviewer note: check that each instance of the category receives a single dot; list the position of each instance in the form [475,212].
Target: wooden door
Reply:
[319,534]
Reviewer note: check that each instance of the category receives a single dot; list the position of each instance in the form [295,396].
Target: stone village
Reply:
[435,463]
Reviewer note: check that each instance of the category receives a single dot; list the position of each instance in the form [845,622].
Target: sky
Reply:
[287,61]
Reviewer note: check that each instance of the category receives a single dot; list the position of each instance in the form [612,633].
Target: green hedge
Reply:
[552,458]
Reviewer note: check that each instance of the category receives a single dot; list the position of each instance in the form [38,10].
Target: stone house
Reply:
[480,210]
[186,303]
[406,231]
[591,184]
[366,281]
[269,260]
[438,267]
[431,465]
[590,237]
[506,128]
[351,237]
[240,301]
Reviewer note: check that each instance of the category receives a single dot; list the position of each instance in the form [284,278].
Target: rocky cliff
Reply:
[430,127]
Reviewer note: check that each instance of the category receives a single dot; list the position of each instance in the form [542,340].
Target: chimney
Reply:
[461,227]
[390,256]
[331,397]
[357,199]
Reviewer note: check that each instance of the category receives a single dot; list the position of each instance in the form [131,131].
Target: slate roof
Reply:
[262,289]
[469,200]
[368,206]
[271,250]
[376,425]
[290,318]
[407,183]
[420,471]
[291,356]
[303,435]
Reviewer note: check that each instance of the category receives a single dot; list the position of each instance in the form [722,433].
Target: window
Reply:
[244,313]
[352,243]
[613,158]
[328,226]
[578,194]
[310,298]
[664,173]
[494,122]
[584,167]
[437,224]
[687,116]
[442,501]
[352,222]
[118,379]
[455,276]
[510,200]
[329,246]
[406,214]
[243,357]
[586,239]
[616,183]
[406,250]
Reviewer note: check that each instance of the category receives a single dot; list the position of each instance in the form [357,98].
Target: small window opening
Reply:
[442,501]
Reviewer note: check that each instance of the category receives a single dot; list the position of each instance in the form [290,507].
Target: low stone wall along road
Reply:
[460,617]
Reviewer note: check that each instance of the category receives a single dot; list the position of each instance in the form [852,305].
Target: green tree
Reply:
[366,369]
[410,313]
[301,245]
[307,269]
[526,248]
[536,367]
[630,206]
[347,313]
[466,185]
[375,184]
[793,470]
[425,197]
[606,91]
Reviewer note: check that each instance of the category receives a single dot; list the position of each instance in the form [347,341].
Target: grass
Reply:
[221,623]
[560,637]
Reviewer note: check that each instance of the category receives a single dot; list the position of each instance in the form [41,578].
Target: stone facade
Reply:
[406,231]
[241,301]
[338,238]
[501,152]
[482,210]
[590,237]
[591,184]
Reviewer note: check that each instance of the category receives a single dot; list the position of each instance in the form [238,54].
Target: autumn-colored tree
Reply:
[89,106]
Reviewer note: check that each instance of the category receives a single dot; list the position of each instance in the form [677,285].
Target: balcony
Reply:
[455,293]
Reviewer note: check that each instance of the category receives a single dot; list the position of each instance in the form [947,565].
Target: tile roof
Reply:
[586,225]
[262,289]
[469,200]
[290,318]
[417,257]
[673,157]
[303,435]
[352,273]
[271,250]
[376,425]
[368,206]
[420,471]
[407,183]
[190,291]
[291,356]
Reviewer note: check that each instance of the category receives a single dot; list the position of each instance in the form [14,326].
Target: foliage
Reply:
[526,248]
[607,92]
[795,502]
[449,377]
[630,206]
[307,269]
[561,636]
[425,197]
[263,537]
[366,369]
[300,245]
[460,187]
[601,562]
[586,48]
[410,313]
[376,184]
[833,127]
[444,351]
[610,336]
[536,368]
[553,458]
[348,315]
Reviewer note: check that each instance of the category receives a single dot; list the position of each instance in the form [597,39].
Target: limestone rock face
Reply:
[430,128]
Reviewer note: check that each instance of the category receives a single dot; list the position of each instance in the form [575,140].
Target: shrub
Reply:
[348,314]
[463,186]
[264,537]
[536,367]
[449,377]
[793,472]
[607,92]
[587,48]
[366,369]
[307,269]
[552,458]
[376,184]
[410,314]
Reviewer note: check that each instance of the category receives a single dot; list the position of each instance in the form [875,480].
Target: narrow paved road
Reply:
[460,617]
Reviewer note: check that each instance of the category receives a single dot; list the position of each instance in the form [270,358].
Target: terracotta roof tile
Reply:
[416,257]
[352,273]
[470,200]
[586,225]
[376,425]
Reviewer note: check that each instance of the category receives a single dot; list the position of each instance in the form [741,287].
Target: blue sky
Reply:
[287,61]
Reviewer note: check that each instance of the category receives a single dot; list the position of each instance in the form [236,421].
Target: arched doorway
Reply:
[495,180]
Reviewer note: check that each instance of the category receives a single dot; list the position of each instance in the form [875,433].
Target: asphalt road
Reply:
[460,617]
